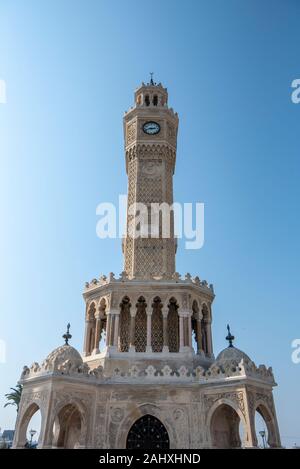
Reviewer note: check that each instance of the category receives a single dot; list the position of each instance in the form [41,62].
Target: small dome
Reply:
[63,356]
[232,354]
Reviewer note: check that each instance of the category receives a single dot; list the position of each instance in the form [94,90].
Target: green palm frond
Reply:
[14,397]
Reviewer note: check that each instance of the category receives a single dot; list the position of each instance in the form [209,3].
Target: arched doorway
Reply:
[148,433]
[225,431]
[67,427]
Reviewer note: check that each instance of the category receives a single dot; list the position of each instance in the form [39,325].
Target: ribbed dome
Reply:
[63,355]
[232,354]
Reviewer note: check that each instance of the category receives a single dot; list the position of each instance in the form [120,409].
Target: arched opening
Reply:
[103,323]
[67,427]
[91,328]
[155,100]
[204,325]
[157,326]
[264,428]
[173,326]
[195,327]
[140,339]
[261,430]
[225,428]
[148,433]
[124,324]
[30,427]
[147,100]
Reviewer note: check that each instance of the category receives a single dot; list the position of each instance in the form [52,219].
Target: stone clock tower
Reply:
[148,376]
[150,129]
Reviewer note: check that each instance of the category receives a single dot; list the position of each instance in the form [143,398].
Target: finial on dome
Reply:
[67,336]
[151,80]
[229,337]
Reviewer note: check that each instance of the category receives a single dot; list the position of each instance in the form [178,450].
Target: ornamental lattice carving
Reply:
[124,328]
[131,133]
[173,329]
[140,330]
[157,329]
[150,174]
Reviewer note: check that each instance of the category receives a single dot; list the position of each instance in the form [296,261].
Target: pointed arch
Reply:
[196,327]
[148,432]
[173,325]
[69,426]
[139,411]
[272,438]
[157,338]
[22,427]
[140,339]
[224,426]
[124,334]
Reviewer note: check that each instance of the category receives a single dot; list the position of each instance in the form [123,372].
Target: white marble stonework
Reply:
[148,361]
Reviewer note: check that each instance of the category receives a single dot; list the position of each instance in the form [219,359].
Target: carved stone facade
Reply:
[148,349]
[150,162]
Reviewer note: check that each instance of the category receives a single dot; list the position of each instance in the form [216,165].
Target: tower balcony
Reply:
[160,319]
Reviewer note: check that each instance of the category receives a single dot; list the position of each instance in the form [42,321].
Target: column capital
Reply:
[113,311]
[185,313]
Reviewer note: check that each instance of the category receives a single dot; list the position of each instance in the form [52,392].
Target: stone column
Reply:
[184,331]
[116,331]
[250,439]
[97,335]
[209,339]
[181,333]
[108,329]
[86,350]
[132,332]
[189,320]
[165,330]
[149,347]
[199,336]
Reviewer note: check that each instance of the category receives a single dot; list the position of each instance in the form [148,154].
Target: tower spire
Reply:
[229,337]
[67,336]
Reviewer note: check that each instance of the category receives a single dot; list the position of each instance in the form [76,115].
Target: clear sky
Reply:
[70,69]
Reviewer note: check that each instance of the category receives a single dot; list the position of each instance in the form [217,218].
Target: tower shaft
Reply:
[150,130]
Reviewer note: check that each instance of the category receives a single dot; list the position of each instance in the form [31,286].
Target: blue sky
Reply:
[71,68]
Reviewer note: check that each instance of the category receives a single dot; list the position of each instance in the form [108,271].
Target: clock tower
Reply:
[150,130]
[148,377]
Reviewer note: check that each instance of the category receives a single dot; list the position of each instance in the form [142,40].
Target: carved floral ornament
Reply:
[237,399]
[176,278]
[198,374]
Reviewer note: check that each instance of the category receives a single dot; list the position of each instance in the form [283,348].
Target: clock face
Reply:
[151,128]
